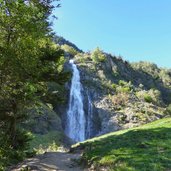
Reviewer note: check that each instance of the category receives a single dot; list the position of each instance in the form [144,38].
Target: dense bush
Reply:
[150,96]
[124,87]
[46,143]
[69,50]
[98,56]
[120,99]
[28,60]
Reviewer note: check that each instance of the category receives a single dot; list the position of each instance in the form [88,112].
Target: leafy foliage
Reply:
[69,49]
[148,98]
[98,56]
[45,143]
[28,60]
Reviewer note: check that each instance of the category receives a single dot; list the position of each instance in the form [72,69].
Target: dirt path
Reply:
[51,161]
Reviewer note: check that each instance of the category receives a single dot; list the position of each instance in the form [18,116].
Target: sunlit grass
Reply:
[46,143]
[146,148]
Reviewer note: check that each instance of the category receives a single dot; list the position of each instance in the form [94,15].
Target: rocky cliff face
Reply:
[42,120]
[117,94]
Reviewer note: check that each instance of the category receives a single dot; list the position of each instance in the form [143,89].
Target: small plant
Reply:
[120,99]
[168,110]
[114,86]
[148,98]
[47,142]
[125,89]
[122,83]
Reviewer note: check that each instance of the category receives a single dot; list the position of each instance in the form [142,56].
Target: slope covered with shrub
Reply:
[123,95]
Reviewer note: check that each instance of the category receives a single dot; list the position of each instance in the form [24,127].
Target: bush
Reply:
[98,56]
[114,86]
[69,49]
[46,143]
[168,110]
[120,99]
[148,98]
[125,89]
[122,83]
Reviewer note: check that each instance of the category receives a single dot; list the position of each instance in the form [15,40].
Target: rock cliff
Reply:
[117,94]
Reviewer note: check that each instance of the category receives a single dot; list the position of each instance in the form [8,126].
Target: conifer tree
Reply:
[28,60]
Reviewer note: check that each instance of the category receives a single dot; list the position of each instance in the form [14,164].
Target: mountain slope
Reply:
[144,148]
[122,95]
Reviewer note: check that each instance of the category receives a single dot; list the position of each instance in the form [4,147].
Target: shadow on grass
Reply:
[141,149]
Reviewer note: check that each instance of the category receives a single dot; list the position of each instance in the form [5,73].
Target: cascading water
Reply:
[75,126]
[89,117]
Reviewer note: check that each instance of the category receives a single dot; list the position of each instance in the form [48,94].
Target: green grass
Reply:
[45,143]
[146,148]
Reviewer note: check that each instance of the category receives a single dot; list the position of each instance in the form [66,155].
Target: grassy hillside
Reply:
[146,148]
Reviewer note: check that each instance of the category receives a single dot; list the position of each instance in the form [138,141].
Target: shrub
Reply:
[168,110]
[148,98]
[125,89]
[69,49]
[98,56]
[47,142]
[114,86]
[122,83]
[120,99]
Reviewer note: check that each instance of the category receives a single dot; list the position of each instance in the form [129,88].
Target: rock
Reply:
[42,120]
[100,83]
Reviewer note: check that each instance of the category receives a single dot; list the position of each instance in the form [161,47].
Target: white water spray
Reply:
[89,117]
[75,127]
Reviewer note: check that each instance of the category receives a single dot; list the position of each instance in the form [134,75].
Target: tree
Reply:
[98,56]
[28,60]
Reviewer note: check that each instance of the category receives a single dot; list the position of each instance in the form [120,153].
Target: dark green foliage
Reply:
[47,142]
[122,83]
[12,154]
[148,98]
[28,60]
[114,86]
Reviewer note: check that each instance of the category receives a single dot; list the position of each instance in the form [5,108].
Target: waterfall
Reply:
[75,126]
[89,117]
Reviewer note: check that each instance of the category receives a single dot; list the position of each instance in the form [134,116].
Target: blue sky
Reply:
[138,30]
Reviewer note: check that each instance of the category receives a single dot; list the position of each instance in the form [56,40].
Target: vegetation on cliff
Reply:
[132,93]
